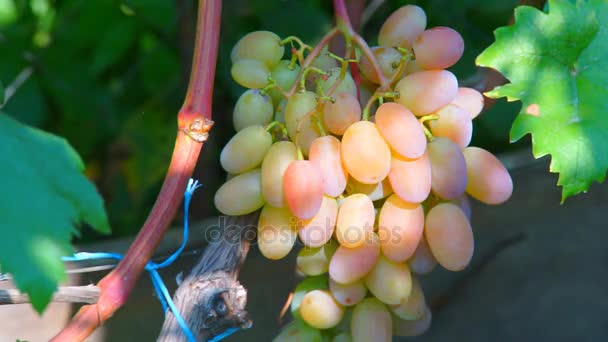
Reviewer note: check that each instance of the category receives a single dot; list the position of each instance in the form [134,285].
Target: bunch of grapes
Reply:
[371,173]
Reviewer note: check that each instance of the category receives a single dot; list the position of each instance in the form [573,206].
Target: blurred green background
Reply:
[109,76]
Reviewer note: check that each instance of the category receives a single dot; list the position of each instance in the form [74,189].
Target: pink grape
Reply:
[449,236]
[318,230]
[464,203]
[448,168]
[425,92]
[400,228]
[324,153]
[411,179]
[453,123]
[489,180]
[402,27]
[470,100]
[388,59]
[438,48]
[355,220]
[401,130]
[348,294]
[348,265]
[303,189]
[342,113]
[365,154]
[277,159]
[423,261]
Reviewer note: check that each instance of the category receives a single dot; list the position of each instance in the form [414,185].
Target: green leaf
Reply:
[44,194]
[557,67]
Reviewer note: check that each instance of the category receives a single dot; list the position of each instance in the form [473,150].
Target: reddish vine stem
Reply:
[194,123]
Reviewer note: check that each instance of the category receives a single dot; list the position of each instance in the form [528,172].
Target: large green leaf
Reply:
[44,194]
[557,67]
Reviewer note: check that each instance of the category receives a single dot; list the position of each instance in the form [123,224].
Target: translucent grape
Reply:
[276,232]
[277,159]
[246,149]
[240,195]
[400,227]
[318,230]
[371,321]
[414,306]
[423,261]
[347,85]
[315,261]
[348,294]
[401,130]
[449,236]
[489,181]
[402,27]
[438,48]
[388,281]
[252,108]
[355,220]
[308,284]
[320,310]
[298,117]
[411,179]
[412,328]
[365,154]
[324,153]
[469,99]
[373,191]
[264,46]
[388,60]
[348,265]
[284,75]
[448,168]
[425,92]
[250,73]
[454,123]
[338,115]
[303,188]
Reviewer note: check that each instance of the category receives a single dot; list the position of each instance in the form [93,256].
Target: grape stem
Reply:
[427,132]
[377,96]
[194,123]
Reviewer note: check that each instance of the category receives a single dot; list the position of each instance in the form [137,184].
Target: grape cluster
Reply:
[377,193]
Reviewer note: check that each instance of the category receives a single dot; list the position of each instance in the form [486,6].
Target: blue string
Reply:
[159,286]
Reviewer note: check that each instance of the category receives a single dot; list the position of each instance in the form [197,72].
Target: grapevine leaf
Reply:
[556,64]
[44,194]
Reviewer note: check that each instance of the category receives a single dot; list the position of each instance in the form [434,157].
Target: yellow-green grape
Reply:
[284,75]
[389,281]
[277,159]
[323,62]
[388,60]
[318,230]
[365,154]
[453,123]
[470,99]
[277,232]
[423,261]
[308,284]
[400,227]
[373,191]
[264,46]
[414,306]
[252,108]
[371,321]
[348,265]
[250,73]
[347,85]
[402,27]
[417,327]
[340,114]
[489,180]
[449,236]
[299,119]
[299,331]
[313,261]
[401,130]
[240,195]
[342,337]
[411,179]
[320,310]
[448,168]
[425,92]
[348,294]
[324,153]
[279,113]
[246,149]
[355,220]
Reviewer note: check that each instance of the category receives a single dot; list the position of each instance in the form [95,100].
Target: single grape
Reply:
[339,115]
[469,99]
[401,130]
[298,118]
[411,179]
[348,294]
[325,154]
[277,159]
[402,27]
[246,149]
[320,309]
[423,261]
[453,123]
[373,191]
[347,85]
[264,46]
[284,74]
[371,321]
[414,306]
[250,73]
[400,227]
[489,181]
[240,195]
[449,236]
[355,220]
[318,230]
[417,327]
[365,154]
[448,168]
[303,189]
[348,265]
[252,108]
[319,282]
[315,261]
[438,48]
[277,232]
[388,59]
[298,331]
[425,92]
[389,281]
